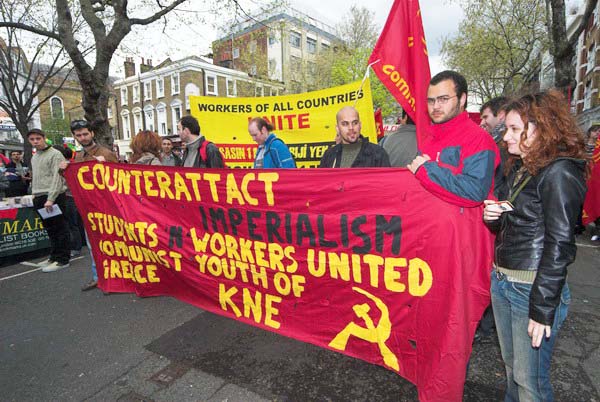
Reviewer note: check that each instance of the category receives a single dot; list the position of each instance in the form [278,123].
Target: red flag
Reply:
[591,206]
[401,62]
[379,123]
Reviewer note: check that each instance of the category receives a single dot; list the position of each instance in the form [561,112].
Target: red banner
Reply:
[591,205]
[361,261]
[401,62]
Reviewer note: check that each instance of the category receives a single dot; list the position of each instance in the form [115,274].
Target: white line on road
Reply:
[22,273]
[32,264]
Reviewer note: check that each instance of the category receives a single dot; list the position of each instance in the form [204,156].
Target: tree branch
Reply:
[158,15]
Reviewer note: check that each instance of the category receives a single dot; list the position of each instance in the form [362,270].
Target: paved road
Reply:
[58,343]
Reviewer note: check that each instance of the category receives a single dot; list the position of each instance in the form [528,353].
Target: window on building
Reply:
[136,93]
[160,87]
[148,90]
[175,84]
[231,87]
[324,47]
[161,118]
[252,46]
[236,53]
[176,113]
[274,91]
[126,125]
[109,113]
[56,106]
[259,91]
[295,64]
[211,85]
[272,66]
[311,45]
[137,120]
[272,39]
[312,68]
[252,70]
[295,39]
[149,117]
[124,96]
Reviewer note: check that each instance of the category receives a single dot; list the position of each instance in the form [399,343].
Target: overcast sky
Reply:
[440,18]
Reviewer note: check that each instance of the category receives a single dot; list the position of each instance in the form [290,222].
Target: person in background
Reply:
[592,148]
[272,151]
[48,188]
[18,175]
[169,158]
[71,213]
[535,242]
[401,145]
[199,152]
[83,132]
[146,147]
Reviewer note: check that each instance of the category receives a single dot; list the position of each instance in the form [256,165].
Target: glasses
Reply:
[77,124]
[442,100]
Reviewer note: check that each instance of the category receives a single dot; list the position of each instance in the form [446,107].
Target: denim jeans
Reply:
[527,368]
[89,246]
[74,222]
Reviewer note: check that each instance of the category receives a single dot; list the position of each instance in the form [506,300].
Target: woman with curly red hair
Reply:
[146,147]
[545,187]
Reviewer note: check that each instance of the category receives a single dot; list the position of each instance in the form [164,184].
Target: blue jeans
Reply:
[94,273]
[527,368]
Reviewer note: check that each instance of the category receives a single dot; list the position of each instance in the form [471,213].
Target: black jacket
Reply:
[539,233]
[370,155]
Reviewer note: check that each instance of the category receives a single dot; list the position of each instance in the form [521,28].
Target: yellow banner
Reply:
[305,122]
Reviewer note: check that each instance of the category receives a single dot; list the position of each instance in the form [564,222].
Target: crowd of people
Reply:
[525,166]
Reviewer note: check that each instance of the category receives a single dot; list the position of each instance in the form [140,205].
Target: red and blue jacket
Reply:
[464,158]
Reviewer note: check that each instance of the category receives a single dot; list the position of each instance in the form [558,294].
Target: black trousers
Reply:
[57,228]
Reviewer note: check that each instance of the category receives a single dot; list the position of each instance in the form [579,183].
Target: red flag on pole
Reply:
[400,61]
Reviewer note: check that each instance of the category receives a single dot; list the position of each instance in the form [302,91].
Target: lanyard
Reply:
[514,195]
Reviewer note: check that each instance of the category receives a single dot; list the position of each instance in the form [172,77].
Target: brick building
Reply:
[156,97]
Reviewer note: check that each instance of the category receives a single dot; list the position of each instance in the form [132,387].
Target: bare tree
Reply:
[22,80]
[109,23]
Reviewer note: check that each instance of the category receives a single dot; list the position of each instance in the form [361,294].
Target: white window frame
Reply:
[135,93]
[137,119]
[232,82]
[175,89]
[109,113]
[125,120]
[124,95]
[176,104]
[236,53]
[160,89]
[215,90]
[259,91]
[311,45]
[295,39]
[148,90]
[149,116]
[161,118]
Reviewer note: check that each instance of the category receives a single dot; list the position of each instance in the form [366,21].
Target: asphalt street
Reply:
[60,344]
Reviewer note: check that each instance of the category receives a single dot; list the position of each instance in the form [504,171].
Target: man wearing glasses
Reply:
[84,134]
[457,161]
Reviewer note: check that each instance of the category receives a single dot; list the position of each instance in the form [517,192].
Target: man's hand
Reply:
[49,205]
[63,165]
[536,332]
[417,162]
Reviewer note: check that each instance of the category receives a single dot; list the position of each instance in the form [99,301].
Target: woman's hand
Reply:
[492,210]
[536,332]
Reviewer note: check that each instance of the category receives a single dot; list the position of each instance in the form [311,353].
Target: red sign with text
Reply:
[360,261]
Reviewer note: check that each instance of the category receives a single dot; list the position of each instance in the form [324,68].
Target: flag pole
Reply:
[362,84]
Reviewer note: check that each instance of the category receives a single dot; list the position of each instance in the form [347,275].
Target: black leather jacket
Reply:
[539,233]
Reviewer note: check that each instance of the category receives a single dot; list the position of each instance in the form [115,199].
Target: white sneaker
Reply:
[55,266]
[595,238]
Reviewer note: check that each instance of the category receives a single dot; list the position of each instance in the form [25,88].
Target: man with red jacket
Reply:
[457,161]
